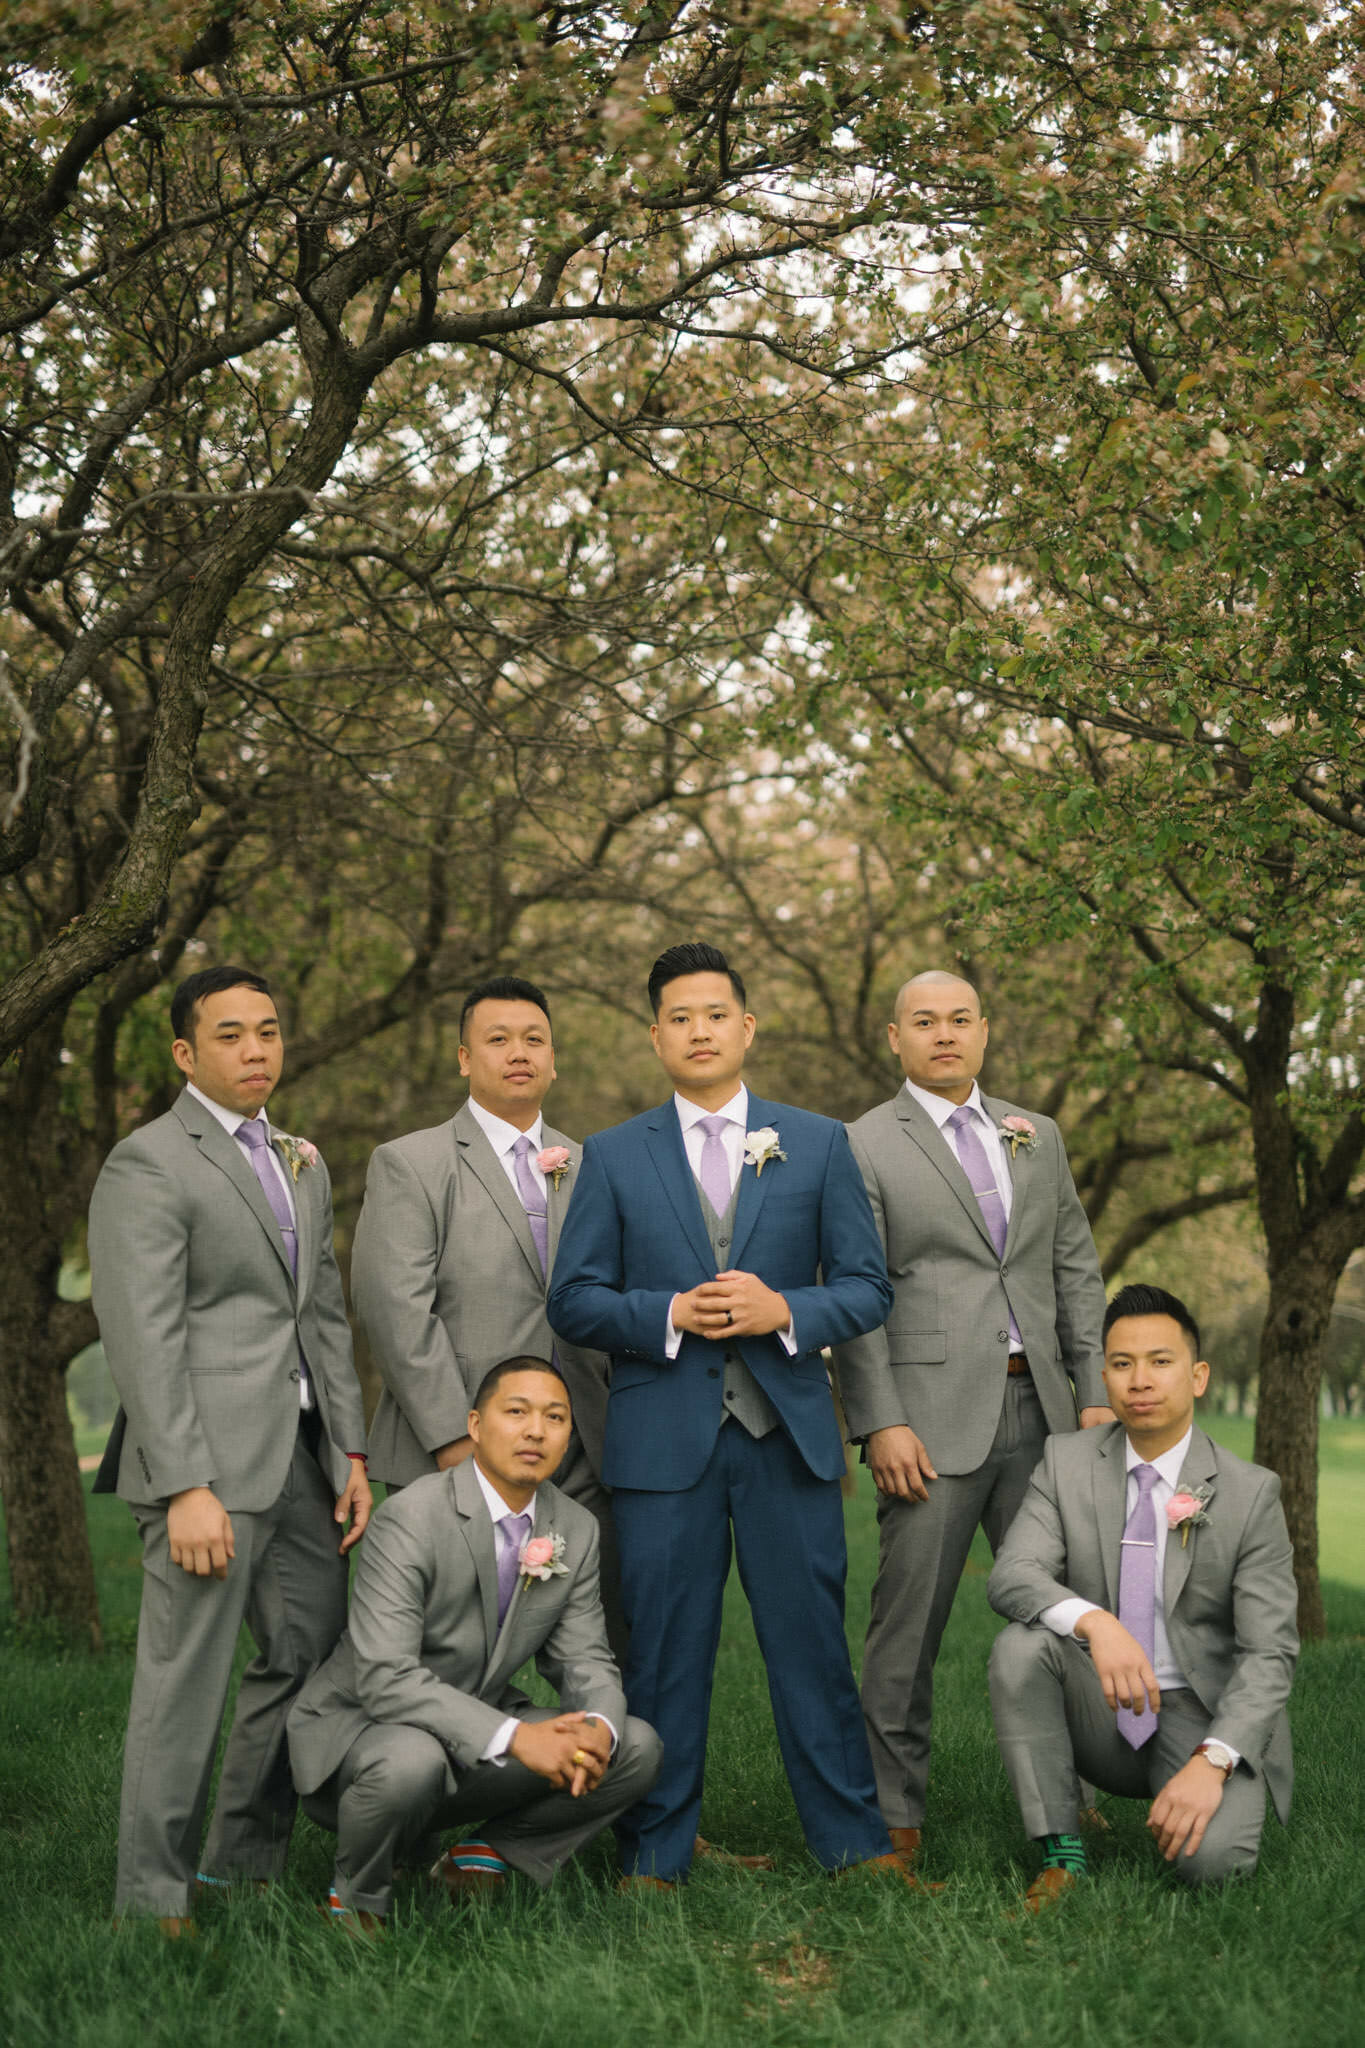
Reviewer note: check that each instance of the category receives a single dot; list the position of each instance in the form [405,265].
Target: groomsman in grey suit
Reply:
[993,1342]
[239,1443]
[413,1723]
[453,1253]
[1149,1583]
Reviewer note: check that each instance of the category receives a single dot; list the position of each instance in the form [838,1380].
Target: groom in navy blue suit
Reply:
[691,1254]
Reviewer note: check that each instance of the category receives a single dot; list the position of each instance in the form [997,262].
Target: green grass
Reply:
[1341,1488]
[787,1958]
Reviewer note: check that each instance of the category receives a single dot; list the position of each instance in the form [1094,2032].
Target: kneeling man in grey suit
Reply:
[413,1724]
[1149,1580]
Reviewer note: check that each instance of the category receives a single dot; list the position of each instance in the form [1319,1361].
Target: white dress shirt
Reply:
[736,1115]
[503,1136]
[498,1744]
[232,1121]
[940,1109]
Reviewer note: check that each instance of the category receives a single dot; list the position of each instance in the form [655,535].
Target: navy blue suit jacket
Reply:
[635,1237]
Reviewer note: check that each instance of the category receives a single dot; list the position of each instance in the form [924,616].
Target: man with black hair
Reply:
[1149,1584]
[453,1252]
[715,1246]
[239,1443]
[413,1724]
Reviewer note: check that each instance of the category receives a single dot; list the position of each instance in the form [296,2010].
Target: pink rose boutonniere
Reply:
[298,1153]
[554,1163]
[542,1557]
[1186,1511]
[1017,1131]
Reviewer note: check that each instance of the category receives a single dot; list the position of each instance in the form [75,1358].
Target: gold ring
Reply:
[580,1756]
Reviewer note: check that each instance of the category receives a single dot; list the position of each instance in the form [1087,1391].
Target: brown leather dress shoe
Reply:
[178,1927]
[906,1843]
[638,1881]
[892,1865]
[1047,1888]
[458,1884]
[701,1847]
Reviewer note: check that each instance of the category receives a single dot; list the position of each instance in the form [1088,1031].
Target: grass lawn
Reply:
[785,1958]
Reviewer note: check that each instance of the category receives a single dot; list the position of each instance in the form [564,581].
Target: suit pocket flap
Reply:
[917,1347]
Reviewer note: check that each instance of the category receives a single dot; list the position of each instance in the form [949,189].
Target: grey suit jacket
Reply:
[446,1281]
[939,1361]
[202,1319]
[1229,1591]
[423,1644]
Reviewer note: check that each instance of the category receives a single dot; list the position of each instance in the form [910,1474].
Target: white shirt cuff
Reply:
[672,1338]
[499,1742]
[1062,1617]
[787,1338]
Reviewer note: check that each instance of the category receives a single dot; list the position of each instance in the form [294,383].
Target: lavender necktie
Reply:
[977,1168]
[1137,1594]
[512,1532]
[532,1199]
[252,1135]
[715,1167]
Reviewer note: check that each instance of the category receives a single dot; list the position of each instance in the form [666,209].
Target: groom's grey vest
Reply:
[745,1400]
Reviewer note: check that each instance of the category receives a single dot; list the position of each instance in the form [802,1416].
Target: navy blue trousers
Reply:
[675,1557]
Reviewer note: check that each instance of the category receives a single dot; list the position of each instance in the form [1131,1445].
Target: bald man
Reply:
[993,1344]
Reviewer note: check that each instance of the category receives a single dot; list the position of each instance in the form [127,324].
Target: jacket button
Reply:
[294,1375]
[713,1372]
[1002,1336]
[723,1242]
[730,1358]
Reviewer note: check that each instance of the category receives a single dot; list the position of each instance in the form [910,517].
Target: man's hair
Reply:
[210,981]
[496,1374]
[503,988]
[697,958]
[1142,1300]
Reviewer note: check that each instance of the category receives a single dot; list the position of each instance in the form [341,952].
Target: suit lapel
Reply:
[305,1220]
[665,1142]
[506,1656]
[1198,1474]
[1109,1479]
[1016,1168]
[223,1151]
[476,1525]
[483,1162]
[941,1154]
[753,1185]
[557,1198]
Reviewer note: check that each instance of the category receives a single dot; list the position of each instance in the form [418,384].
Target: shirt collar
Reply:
[501,1135]
[1168,1464]
[940,1108]
[231,1119]
[493,1500]
[735,1111]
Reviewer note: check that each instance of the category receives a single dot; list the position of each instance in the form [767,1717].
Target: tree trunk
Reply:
[1292,1345]
[52,1573]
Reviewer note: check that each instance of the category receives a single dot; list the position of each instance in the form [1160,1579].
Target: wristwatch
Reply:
[1219,1755]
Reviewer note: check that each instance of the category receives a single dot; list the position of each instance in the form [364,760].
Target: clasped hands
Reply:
[732,1305]
[1187,1802]
[572,1751]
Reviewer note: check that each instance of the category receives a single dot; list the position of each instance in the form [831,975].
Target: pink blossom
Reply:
[1020,1124]
[537,1553]
[308,1152]
[554,1159]
[1180,1507]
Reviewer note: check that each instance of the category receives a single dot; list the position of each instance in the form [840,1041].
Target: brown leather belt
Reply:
[1018,1366]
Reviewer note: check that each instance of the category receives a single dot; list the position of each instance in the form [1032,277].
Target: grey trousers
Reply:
[922,1551]
[288,1583]
[395,1787]
[1052,1721]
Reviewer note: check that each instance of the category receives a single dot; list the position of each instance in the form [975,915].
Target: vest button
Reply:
[723,1242]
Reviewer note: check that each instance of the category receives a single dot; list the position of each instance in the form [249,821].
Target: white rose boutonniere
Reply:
[760,1147]
[298,1153]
